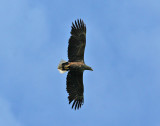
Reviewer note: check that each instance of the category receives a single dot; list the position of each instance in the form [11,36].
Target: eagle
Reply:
[75,65]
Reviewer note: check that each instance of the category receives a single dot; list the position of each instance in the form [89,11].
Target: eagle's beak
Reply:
[91,69]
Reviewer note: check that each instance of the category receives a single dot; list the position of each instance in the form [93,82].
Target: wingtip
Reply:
[78,25]
[77,103]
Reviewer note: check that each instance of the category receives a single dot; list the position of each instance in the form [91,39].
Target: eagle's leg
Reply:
[66,67]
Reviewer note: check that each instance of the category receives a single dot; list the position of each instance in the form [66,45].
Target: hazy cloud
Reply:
[7,118]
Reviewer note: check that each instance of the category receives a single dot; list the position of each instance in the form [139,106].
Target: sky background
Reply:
[123,48]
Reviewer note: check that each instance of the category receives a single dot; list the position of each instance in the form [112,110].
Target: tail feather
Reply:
[60,69]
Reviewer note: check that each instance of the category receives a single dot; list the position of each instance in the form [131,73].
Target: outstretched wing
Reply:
[77,42]
[75,88]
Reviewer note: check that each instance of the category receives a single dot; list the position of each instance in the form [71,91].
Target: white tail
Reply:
[60,67]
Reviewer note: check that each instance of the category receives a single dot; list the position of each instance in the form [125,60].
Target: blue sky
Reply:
[123,48]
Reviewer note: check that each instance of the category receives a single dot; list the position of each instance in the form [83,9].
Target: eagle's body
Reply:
[76,64]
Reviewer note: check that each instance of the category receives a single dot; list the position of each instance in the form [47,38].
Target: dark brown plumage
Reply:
[75,88]
[77,42]
[75,64]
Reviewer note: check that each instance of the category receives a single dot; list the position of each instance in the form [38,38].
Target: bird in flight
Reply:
[75,65]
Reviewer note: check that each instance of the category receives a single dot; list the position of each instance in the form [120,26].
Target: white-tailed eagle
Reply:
[75,65]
